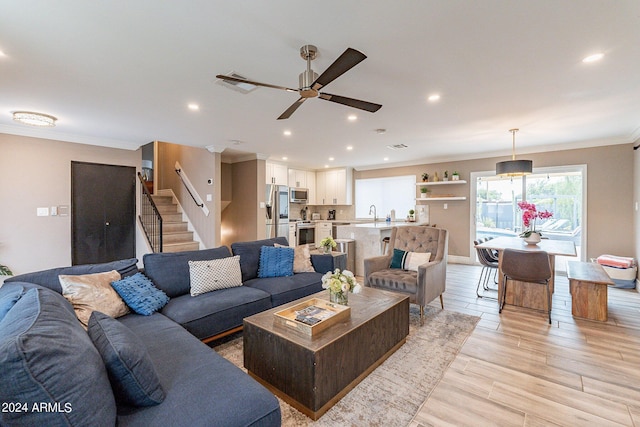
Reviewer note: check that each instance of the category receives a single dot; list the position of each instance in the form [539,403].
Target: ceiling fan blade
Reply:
[355,103]
[349,59]
[289,111]
[235,79]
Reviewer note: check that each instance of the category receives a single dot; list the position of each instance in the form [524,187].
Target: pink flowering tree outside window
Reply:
[529,216]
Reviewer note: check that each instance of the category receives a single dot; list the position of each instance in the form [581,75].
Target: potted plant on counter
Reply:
[327,244]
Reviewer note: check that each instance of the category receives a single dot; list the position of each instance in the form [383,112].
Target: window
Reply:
[397,192]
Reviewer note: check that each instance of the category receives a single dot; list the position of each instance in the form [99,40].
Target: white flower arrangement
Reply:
[337,281]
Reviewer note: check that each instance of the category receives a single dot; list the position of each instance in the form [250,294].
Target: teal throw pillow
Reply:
[130,369]
[139,293]
[398,258]
[276,262]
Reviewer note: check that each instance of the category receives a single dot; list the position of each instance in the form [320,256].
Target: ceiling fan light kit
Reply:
[514,167]
[311,83]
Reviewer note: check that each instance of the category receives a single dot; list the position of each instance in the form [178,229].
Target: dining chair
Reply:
[489,263]
[526,266]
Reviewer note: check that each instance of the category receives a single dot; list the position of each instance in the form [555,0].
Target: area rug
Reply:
[393,392]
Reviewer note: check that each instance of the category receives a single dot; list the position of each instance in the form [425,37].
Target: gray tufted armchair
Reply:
[422,286]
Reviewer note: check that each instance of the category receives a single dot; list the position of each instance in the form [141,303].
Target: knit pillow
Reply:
[301,258]
[140,294]
[207,276]
[276,262]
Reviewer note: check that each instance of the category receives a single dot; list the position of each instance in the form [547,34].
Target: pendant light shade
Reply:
[514,167]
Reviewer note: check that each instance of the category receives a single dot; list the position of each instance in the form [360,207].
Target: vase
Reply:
[532,239]
[327,249]
[340,297]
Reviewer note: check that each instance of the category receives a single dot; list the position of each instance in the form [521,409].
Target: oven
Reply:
[306,233]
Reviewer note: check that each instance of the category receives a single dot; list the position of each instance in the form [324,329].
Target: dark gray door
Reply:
[103,209]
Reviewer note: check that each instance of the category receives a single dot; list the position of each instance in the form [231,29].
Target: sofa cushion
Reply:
[301,258]
[214,274]
[202,388]
[91,292]
[170,271]
[250,255]
[140,295]
[48,359]
[287,289]
[131,372]
[275,261]
[8,298]
[215,312]
[49,278]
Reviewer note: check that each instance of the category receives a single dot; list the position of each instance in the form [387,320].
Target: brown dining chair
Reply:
[526,266]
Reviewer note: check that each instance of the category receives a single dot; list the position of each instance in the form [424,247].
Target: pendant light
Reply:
[514,167]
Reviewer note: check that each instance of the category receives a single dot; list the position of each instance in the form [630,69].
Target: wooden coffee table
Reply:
[312,374]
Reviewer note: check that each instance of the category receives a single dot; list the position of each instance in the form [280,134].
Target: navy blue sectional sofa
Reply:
[59,366]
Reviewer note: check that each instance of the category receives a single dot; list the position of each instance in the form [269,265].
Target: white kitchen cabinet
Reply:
[311,185]
[333,187]
[323,229]
[276,173]
[304,179]
[292,234]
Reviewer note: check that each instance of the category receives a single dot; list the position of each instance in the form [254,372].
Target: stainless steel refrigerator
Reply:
[277,204]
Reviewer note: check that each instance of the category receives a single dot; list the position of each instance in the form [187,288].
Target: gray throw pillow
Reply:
[131,371]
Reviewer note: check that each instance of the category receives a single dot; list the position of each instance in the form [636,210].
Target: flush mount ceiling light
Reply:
[514,167]
[34,119]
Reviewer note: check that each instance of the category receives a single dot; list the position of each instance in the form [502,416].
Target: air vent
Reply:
[237,86]
[397,147]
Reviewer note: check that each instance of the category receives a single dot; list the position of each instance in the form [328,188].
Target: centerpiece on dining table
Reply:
[529,215]
[340,283]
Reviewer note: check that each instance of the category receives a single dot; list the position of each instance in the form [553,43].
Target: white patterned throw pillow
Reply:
[211,275]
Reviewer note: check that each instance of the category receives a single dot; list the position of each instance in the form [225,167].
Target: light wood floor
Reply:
[517,370]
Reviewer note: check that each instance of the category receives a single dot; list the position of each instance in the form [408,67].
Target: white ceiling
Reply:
[121,73]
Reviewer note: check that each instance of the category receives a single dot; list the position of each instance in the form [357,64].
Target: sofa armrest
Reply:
[371,265]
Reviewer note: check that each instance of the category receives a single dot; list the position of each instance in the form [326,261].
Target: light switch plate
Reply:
[42,212]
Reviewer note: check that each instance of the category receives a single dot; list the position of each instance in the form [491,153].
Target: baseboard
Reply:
[456,259]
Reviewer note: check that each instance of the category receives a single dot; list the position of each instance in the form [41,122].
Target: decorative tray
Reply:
[312,316]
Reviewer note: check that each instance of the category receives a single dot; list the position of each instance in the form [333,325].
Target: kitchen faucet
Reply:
[375,215]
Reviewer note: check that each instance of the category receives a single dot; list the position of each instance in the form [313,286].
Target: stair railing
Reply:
[150,217]
[191,189]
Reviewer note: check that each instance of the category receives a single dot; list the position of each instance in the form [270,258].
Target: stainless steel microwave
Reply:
[298,195]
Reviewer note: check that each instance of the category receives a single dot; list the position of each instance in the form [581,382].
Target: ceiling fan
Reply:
[311,83]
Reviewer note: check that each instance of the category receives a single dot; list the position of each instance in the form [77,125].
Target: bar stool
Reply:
[385,243]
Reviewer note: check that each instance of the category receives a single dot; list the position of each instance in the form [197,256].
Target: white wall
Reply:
[37,173]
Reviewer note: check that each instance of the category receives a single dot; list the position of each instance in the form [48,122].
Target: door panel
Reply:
[103,212]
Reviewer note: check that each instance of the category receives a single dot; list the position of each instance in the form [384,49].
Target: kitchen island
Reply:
[368,238]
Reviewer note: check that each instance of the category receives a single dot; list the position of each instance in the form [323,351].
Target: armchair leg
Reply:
[421,315]
[441,302]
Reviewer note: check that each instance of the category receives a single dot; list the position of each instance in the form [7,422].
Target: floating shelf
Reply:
[436,199]
[441,182]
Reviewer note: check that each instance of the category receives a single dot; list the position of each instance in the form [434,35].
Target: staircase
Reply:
[175,235]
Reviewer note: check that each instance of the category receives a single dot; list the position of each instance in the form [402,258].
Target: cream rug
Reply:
[393,393]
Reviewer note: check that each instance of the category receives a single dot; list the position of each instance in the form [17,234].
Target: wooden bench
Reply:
[588,286]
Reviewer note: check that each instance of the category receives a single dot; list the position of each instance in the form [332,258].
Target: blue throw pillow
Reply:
[131,372]
[48,361]
[398,258]
[140,294]
[275,262]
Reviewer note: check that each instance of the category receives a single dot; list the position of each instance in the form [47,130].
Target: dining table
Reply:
[524,294]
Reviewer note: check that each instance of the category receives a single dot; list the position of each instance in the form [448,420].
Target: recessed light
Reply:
[287,133]
[285,158]
[193,107]
[593,58]
[326,166]
[352,117]
[349,147]
[385,159]
[331,159]
[2,54]
[434,98]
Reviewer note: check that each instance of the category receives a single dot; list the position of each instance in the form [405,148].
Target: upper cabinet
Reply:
[304,179]
[333,187]
[276,173]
